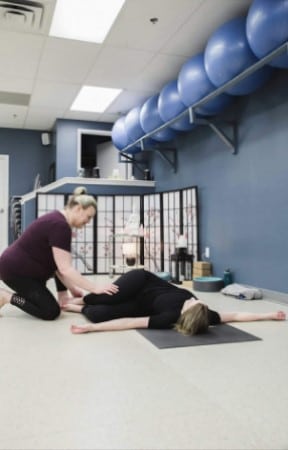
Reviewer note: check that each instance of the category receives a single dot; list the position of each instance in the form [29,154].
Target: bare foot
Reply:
[64,299]
[76,301]
[71,307]
[79,329]
[5,297]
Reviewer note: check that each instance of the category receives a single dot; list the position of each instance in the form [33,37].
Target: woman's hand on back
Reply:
[109,289]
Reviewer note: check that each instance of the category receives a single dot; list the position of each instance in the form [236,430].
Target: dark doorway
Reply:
[89,144]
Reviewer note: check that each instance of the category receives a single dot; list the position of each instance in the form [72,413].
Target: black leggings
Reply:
[103,307]
[33,297]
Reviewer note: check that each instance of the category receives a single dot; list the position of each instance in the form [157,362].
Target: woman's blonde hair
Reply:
[81,198]
[194,320]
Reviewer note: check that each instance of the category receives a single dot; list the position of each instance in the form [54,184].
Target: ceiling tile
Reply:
[12,116]
[134,21]
[115,67]
[127,100]
[67,61]
[192,36]
[19,54]
[160,70]
[57,95]
[109,117]
[39,118]
[81,115]
[16,84]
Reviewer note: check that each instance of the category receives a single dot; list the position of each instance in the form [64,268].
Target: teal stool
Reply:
[164,276]
[208,284]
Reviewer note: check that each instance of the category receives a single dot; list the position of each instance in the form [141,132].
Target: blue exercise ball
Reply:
[170,106]
[134,129]
[150,120]
[228,53]
[133,126]
[119,134]
[267,29]
[120,138]
[194,84]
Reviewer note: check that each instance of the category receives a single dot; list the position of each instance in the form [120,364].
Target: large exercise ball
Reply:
[150,120]
[194,84]
[170,106]
[120,138]
[134,129]
[267,29]
[228,53]
[133,126]
[119,134]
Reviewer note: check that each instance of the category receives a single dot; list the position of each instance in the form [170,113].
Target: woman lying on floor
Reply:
[146,301]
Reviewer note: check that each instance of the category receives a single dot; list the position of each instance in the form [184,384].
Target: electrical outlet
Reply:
[207,252]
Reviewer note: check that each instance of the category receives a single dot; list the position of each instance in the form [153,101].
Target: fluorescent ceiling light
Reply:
[84,20]
[94,99]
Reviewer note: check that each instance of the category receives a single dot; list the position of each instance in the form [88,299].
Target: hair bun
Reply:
[80,190]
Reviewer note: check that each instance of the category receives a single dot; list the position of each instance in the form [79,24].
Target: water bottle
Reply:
[227,277]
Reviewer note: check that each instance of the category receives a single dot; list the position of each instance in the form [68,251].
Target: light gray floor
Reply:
[118,391]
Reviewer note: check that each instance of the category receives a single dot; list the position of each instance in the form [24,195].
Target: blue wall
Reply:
[243,198]
[66,142]
[27,158]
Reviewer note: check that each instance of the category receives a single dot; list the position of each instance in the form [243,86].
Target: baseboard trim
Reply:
[275,296]
[272,296]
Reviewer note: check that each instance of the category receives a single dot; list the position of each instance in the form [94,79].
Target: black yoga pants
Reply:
[33,297]
[103,307]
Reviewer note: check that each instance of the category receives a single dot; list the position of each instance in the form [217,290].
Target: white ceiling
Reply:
[137,56]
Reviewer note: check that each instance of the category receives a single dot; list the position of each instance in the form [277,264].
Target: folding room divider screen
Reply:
[165,216]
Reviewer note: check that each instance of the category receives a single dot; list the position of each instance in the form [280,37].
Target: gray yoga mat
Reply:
[221,334]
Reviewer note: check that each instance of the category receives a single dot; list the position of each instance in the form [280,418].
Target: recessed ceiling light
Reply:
[94,99]
[84,20]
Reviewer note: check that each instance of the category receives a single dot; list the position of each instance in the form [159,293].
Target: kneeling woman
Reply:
[146,301]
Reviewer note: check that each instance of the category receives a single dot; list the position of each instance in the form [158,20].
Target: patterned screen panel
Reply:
[153,251]
[105,227]
[82,248]
[172,221]
[167,216]
[49,202]
[190,220]
[125,206]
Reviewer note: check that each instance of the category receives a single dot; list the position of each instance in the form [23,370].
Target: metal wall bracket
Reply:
[231,141]
[169,155]
[128,159]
